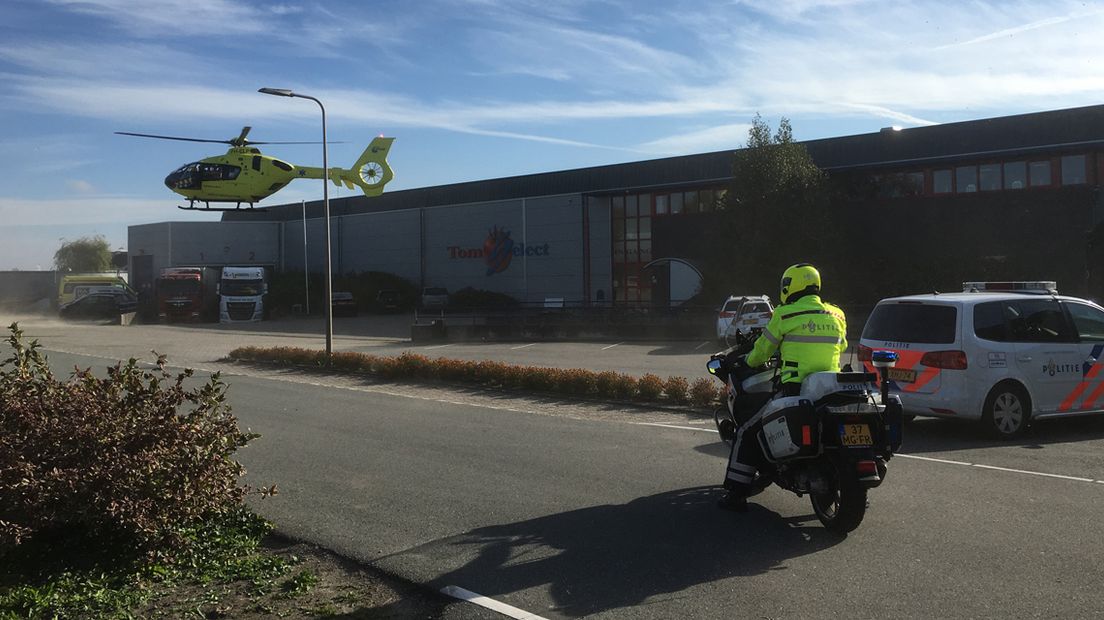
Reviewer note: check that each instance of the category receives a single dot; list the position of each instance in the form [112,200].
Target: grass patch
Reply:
[45,578]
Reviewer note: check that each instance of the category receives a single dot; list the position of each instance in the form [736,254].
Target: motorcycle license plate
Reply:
[905,375]
[856,435]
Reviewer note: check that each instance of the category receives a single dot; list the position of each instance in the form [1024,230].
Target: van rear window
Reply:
[918,323]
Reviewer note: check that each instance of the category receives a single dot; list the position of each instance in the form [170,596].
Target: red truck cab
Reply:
[181,295]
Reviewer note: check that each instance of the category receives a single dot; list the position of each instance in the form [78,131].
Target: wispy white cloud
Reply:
[731,136]
[71,58]
[154,18]
[80,186]
[1009,32]
[86,211]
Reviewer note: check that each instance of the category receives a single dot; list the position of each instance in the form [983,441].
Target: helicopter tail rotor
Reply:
[371,171]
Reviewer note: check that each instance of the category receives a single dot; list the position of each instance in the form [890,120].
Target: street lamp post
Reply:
[283,92]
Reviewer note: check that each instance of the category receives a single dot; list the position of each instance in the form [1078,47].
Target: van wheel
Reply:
[1007,411]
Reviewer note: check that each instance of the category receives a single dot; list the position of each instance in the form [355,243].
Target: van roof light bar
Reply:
[1036,286]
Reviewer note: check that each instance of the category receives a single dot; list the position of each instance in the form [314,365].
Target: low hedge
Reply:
[573,381]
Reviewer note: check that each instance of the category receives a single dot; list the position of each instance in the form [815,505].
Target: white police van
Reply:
[1004,353]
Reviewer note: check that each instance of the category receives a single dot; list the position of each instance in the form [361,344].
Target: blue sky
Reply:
[477,89]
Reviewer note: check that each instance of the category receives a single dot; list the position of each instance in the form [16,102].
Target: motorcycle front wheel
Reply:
[843,507]
[726,426]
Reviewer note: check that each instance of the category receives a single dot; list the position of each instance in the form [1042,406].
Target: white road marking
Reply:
[928,458]
[612,346]
[439,346]
[701,345]
[996,468]
[525,345]
[489,603]
[685,428]
[1034,473]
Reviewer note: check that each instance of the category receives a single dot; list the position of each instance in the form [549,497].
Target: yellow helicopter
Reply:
[244,175]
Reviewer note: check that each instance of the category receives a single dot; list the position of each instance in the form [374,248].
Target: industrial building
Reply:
[627,233]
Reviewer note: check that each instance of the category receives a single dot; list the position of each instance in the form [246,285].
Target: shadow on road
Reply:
[941,435]
[613,556]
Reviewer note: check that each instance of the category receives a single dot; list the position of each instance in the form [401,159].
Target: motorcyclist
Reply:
[810,335]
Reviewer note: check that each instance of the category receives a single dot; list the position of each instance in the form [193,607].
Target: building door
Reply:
[142,279]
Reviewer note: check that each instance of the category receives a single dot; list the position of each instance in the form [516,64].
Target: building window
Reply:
[705,199]
[1039,173]
[676,203]
[1015,175]
[941,181]
[1073,170]
[966,179]
[661,204]
[990,177]
[899,184]
[690,202]
[914,182]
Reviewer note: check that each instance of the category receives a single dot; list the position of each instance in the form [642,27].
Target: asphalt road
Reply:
[572,510]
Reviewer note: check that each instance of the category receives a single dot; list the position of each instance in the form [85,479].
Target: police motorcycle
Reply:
[832,441]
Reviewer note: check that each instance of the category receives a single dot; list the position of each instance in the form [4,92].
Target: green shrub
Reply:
[676,389]
[131,461]
[704,391]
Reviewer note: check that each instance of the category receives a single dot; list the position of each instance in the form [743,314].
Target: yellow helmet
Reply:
[798,280]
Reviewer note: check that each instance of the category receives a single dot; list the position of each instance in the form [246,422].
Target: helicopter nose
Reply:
[178,180]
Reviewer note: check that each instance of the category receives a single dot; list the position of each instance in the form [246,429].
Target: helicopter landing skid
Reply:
[207,207]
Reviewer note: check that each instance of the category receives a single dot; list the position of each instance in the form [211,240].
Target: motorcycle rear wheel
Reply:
[841,509]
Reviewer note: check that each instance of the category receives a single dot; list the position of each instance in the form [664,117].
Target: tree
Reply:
[85,255]
[775,214]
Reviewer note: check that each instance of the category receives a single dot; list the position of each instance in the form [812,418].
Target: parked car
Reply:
[389,300]
[434,297]
[344,304]
[740,314]
[1002,353]
[99,305]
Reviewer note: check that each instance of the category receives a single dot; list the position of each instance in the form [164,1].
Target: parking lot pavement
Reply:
[204,343]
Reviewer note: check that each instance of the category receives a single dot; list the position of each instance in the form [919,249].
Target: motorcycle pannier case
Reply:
[790,430]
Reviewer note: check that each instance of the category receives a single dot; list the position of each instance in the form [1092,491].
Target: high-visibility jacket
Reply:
[811,334]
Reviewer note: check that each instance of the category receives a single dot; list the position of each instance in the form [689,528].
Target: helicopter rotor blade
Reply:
[315,142]
[148,135]
[239,141]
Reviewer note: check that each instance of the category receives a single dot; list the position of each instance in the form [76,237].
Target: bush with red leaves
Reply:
[133,458]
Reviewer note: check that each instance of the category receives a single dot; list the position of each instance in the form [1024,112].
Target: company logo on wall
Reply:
[498,250]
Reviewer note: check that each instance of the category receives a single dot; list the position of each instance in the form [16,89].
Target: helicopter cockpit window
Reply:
[191,176]
[217,172]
